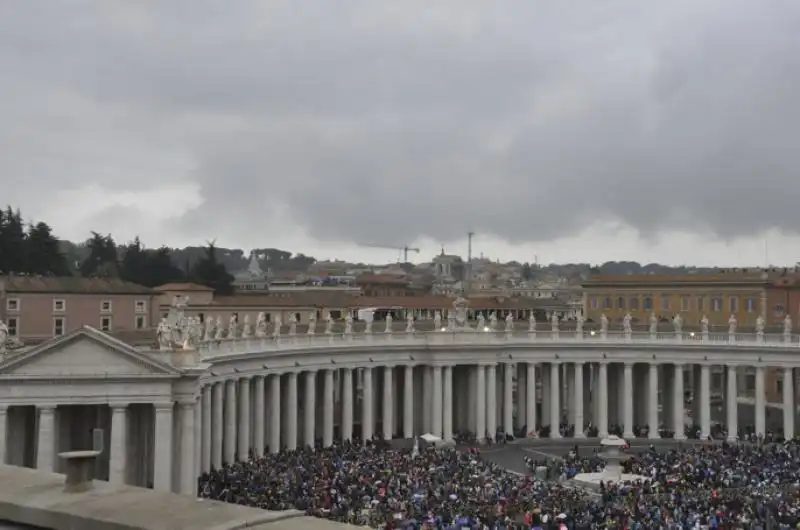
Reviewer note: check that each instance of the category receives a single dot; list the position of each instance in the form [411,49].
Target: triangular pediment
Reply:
[83,353]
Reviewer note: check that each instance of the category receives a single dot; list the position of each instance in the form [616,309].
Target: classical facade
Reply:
[206,397]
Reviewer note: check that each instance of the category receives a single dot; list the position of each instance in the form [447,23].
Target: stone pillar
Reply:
[555,402]
[310,408]
[229,449]
[760,409]
[275,413]
[447,398]
[347,404]
[602,399]
[197,407]
[508,404]
[217,429]
[491,400]
[290,409]
[481,408]
[678,412]
[46,451]
[205,444]
[437,401]
[667,386]
[577,408]
[408,402]
[162,461]
[705,401]
[628,400]
[589,392]
[188,480]
[427,399]
[522,401]
[388,403]
[3,433]
[732,404]
[546,394]
[652,402]
[367,417]
[530,398]
[788,404]
[244,419]
[118,450]
[327,409]
[259,399]
[568,402]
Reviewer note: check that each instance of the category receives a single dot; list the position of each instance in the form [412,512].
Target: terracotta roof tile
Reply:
[71,285]
[182,287]
[394,279]
[288,299]
[737,277]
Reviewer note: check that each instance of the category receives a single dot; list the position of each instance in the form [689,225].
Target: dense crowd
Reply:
[713,486]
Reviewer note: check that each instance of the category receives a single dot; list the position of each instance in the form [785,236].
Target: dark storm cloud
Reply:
[376,121]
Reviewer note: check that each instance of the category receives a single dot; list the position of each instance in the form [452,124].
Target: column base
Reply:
[654,436]
[680,437]
[580,435]
[732,439]
[628,434]
[555,435]
[602,434]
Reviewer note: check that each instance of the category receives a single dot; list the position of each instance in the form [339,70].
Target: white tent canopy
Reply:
[431,438]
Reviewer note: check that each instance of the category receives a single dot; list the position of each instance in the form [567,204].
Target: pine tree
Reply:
[102,260]
[43,253]
[210,272]
[13,257]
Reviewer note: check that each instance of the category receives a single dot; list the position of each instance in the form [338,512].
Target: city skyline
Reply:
[572,133]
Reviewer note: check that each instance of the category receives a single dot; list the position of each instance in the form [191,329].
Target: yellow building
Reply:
[716,295]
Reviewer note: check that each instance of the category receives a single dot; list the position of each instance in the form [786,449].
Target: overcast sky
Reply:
[559,130]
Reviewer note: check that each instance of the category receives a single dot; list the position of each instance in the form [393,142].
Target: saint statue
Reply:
[328,324]
[509,323]
[3,336]
[409,321]
[232,323]
[787,325]
[732,325]
[389,321]
[532,322]
[451,321]
[603,324]
[493,321]
[554,320]
[579,324]
[348,324]
[481,322]
[209,332]
[704,325]
[653,324]
[246,328]
[677,323]
[220,331]
[276,330]
[292,324]
[460,309]
[760,325]
[626,324]
[164,334]
[437,320]
[312,323]
[261,325]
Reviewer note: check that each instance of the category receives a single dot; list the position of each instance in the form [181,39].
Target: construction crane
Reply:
[404,250]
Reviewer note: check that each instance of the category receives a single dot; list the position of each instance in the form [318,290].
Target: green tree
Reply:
[210,272]
[102,260]
[13,254]
[526,272]
[43,254]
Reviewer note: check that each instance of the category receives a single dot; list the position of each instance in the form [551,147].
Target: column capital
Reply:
[47,407]
[118,407]
[163,406]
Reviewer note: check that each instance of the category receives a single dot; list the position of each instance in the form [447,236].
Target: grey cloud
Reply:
[376,121]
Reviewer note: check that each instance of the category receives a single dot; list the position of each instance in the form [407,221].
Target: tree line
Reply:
[32,249]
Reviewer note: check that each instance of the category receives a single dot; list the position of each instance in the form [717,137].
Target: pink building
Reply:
[36,308]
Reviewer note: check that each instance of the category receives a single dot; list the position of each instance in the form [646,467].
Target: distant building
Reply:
[251,279]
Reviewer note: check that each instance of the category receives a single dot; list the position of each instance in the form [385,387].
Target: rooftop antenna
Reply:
[469,262]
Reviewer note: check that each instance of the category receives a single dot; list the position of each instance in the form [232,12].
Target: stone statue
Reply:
[389,321]
[460,306]
[481,322]
[328,324]
[626,325]
[509,323]
[209,332]
[276,330]
[704,325]
[653,324]
[579,321]
[603,324]
[220,331]
[760,328]
[3,336]
[732,326]
[247,329]
[164,334]
[312,323]
[409,322]
[451,321]
[348,324]
[677,323]
[532,323]
[554,320]
[232,322]
[493,321]
[437,320]
[261,325]
[368,322]
[787,328]
[292,324]
[180,302]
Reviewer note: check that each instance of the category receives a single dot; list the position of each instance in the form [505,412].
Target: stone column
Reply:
[3,433]
[188,480]
[481,408]
[46,451]
[437,401]
[229,443]
[732,404]
[205,444]
[244,418]
[427,399]
[555,401]
[577,409]
[522,401]
[760,411]
[408,402]
[546,420]
[217,429]
[118,451]
[347,404]
[447,398]
[705,401]
[197,407]
[491,400]
[367,417]
[259,399]
[327,409]
[310,408]
[678,412]
[788,404]
[388,403]
[530,398]
[652,402]
[162,460]
[291,411]
[628,400]
[602,399]
[508,404]
[275,413]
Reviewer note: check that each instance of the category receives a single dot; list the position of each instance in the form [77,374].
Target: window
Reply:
[733,304]
[716,303]
[750,382]
[665,302]
[779,386]
[594,302]
[701,303]
[59,305]
[620,302]
[607,303]
[139,322]
[686,300]
[634,303]
[105,324]
[750,305]
[647,303]
[58,326]
[141,306]
[13,326]
[105,306]
[12,304]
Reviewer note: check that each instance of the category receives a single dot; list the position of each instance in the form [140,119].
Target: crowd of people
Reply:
[719,486]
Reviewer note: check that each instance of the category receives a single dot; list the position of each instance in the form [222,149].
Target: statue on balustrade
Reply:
[3,336]
[328,324]
[348,323]
[437,320]
[627,328]
[787,325]
[493,321]
[481,322]
[509,323]
[653,324]
[409,321]
[732,325]
[451,321]
[603,324]
[760,326]
[532,322]
[292,324]
[276,329]
[164,335]
[704,325]
[220,331]
[554,320]
[312,323]
[247,330]
[261,325]
[232,324]
[579,321]
[460,306]
[389,321]
[677,324]
[209,331]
